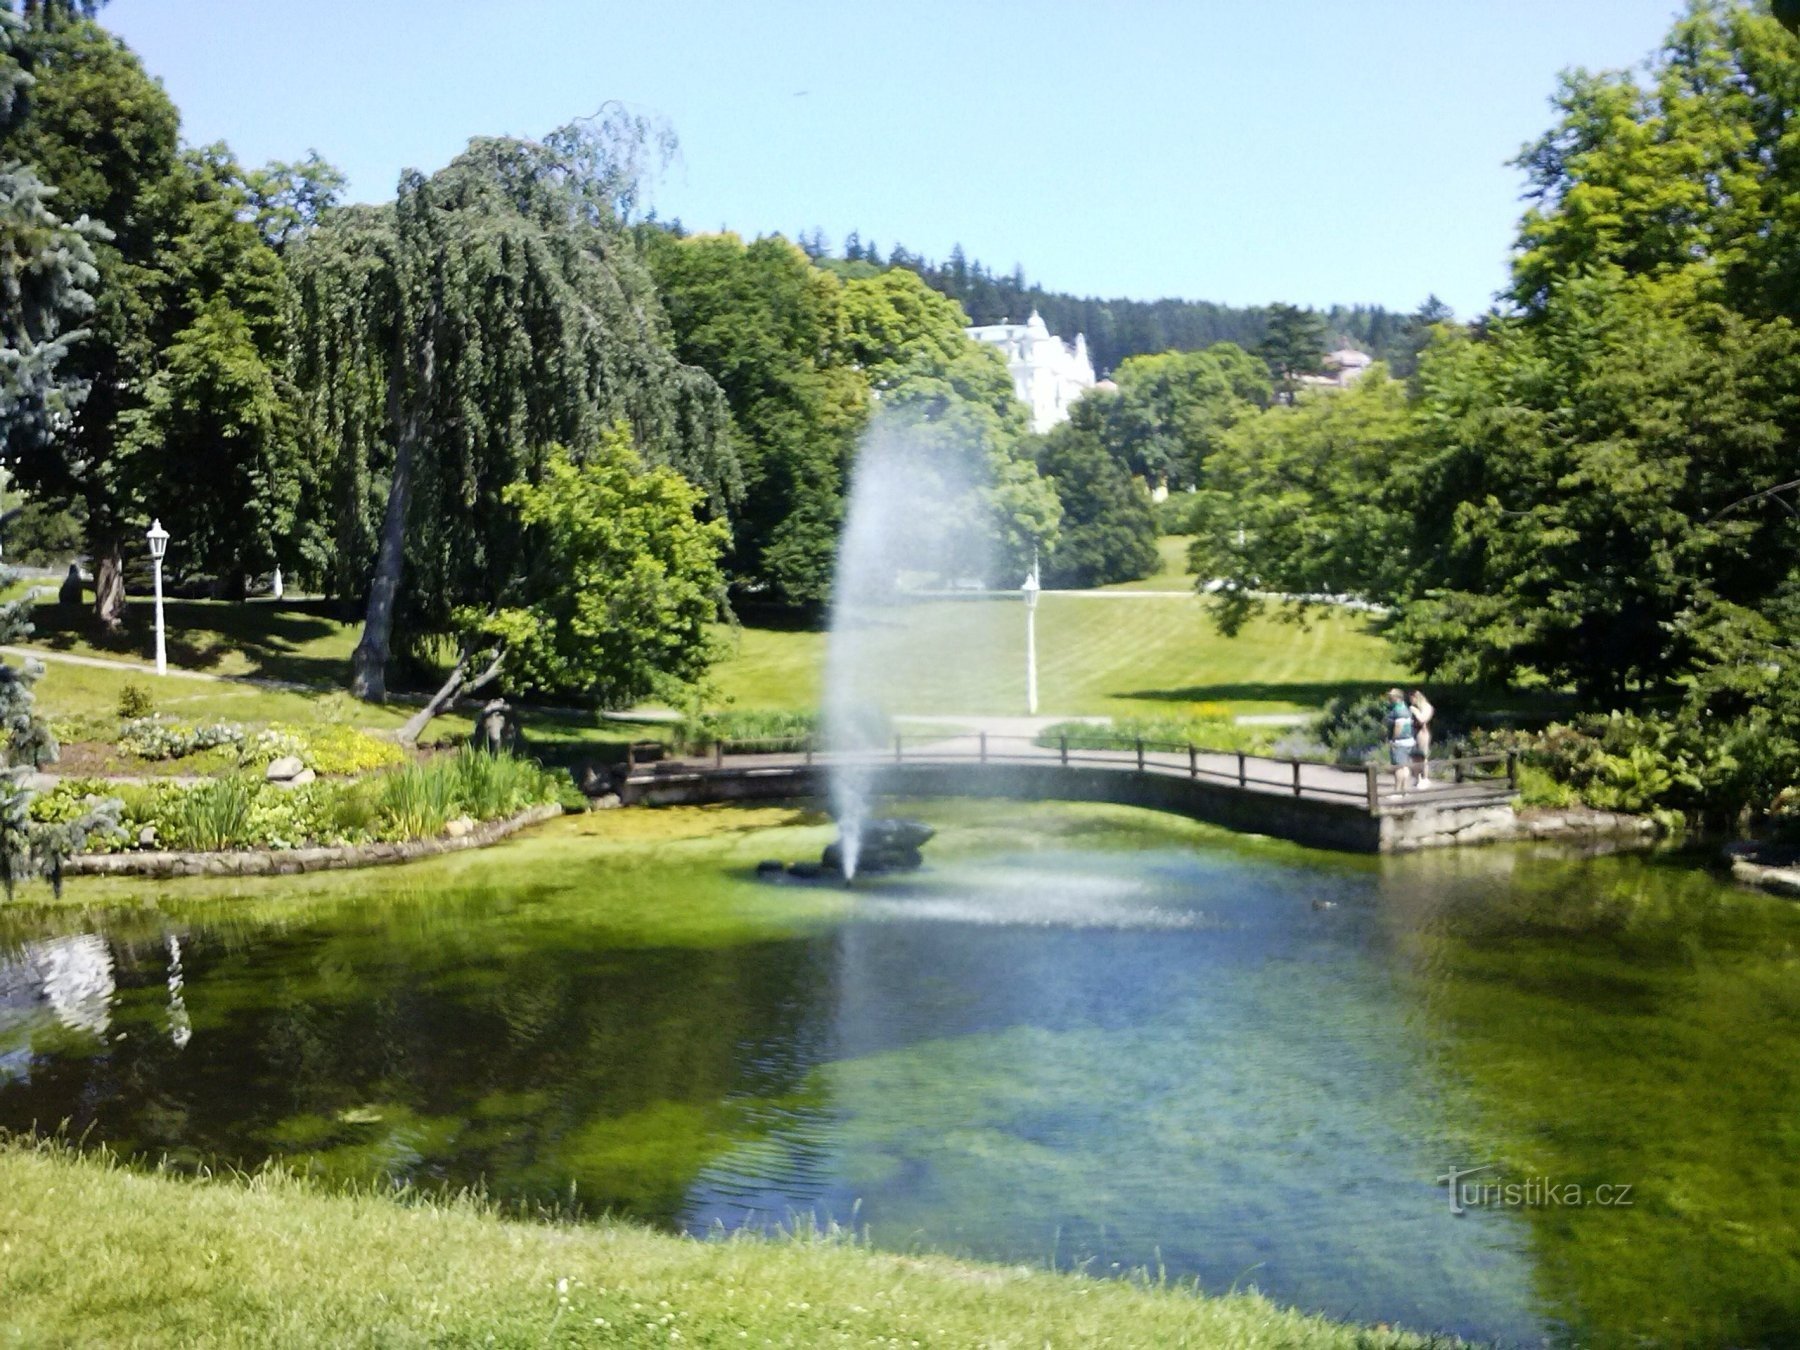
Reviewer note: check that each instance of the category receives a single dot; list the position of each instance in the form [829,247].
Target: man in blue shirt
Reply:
[1402,737]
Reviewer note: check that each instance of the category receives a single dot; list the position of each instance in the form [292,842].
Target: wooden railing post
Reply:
[896,747]
[630,756]
[1193,762]
[1512,770]
[1243,774]
[719,753]
[809,752]
[1140,753]
[1296,778]
[1457,770]
[984,747]
[1374,786]
[1062,745]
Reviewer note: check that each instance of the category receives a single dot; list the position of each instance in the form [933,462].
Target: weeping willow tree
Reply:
[446,341]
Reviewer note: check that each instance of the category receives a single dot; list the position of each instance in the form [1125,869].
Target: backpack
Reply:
[1400,719]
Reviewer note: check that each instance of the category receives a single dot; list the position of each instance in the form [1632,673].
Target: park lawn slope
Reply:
[93,1254]
[1099,653]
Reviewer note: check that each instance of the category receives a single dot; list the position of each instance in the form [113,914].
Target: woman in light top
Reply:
[1422,712]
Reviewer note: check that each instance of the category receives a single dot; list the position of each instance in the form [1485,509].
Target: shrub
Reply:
[1353,729]
[214,814]
[336,749]
[417,800]
[698,731]
[340,749]
[241,811]
[1175,514]
[135,702]
[1208,726]
[269,745]
[1538,787]
[156,738]
[488,787]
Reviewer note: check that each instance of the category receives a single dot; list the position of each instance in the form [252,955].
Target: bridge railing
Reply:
[1376,786]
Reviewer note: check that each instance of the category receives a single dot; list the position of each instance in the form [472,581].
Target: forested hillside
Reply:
[1120,328]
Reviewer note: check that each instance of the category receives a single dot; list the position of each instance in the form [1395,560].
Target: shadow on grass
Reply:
[273,638]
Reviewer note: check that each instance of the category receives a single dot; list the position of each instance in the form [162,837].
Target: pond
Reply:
[1084,1035]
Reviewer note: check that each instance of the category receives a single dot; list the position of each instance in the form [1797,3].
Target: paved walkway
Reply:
[1246,773]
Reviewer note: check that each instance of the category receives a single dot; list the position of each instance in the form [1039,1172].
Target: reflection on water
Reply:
[1109,1048]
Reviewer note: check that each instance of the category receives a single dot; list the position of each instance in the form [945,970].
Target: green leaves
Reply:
[623,585]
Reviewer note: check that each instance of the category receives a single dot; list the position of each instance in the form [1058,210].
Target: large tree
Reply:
[104,135]
[1173,407]
[1309,498]
[616,591]
[1293,345]
[1107,532]
[770,328]
[46,277]
[216,419]
[954,397]
[446,342]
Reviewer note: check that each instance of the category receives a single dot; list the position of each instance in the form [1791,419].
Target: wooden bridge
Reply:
[1363,808]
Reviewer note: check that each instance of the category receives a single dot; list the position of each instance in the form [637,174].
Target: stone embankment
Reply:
[1773,869]
[1427,826]
[286,862]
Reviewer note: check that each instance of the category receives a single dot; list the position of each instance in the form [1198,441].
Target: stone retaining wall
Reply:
[1753,870]
[1502,823]
[286,862]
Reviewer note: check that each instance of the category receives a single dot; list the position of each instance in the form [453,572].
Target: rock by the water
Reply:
[460,828]
[69,593]
[892,834]
[880,860]
[806,871]
[888,845]
[770,867]
[147,837]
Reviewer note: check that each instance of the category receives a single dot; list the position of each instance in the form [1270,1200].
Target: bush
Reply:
[135,702]
[418,800]
[1353,730]
[1207,726]
[157,738]
[214,815]
[340,749]
[1175,513]
[241,811]
[335,749]
[699,731]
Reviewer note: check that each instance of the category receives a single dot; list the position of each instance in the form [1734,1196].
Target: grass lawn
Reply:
[1171,575]
[306,642]
[1097,654]
[1108,654]
[92,1255]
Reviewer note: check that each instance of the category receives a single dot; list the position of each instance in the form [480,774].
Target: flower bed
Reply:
[242,811]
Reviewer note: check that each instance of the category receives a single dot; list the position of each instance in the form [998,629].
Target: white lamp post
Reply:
[159,545]
[1030,588]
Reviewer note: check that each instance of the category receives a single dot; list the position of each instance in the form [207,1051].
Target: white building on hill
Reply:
[1048,374]
[1343,368]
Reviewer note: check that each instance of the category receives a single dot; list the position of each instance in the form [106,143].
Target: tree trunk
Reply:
[109,585]
[368,664]
[457,685]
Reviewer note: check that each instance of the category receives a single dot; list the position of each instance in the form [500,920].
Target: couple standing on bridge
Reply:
[1408,722]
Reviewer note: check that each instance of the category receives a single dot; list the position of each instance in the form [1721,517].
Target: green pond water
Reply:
[1084,1036]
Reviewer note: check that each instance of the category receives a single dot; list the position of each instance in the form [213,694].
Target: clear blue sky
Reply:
[1233,150]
